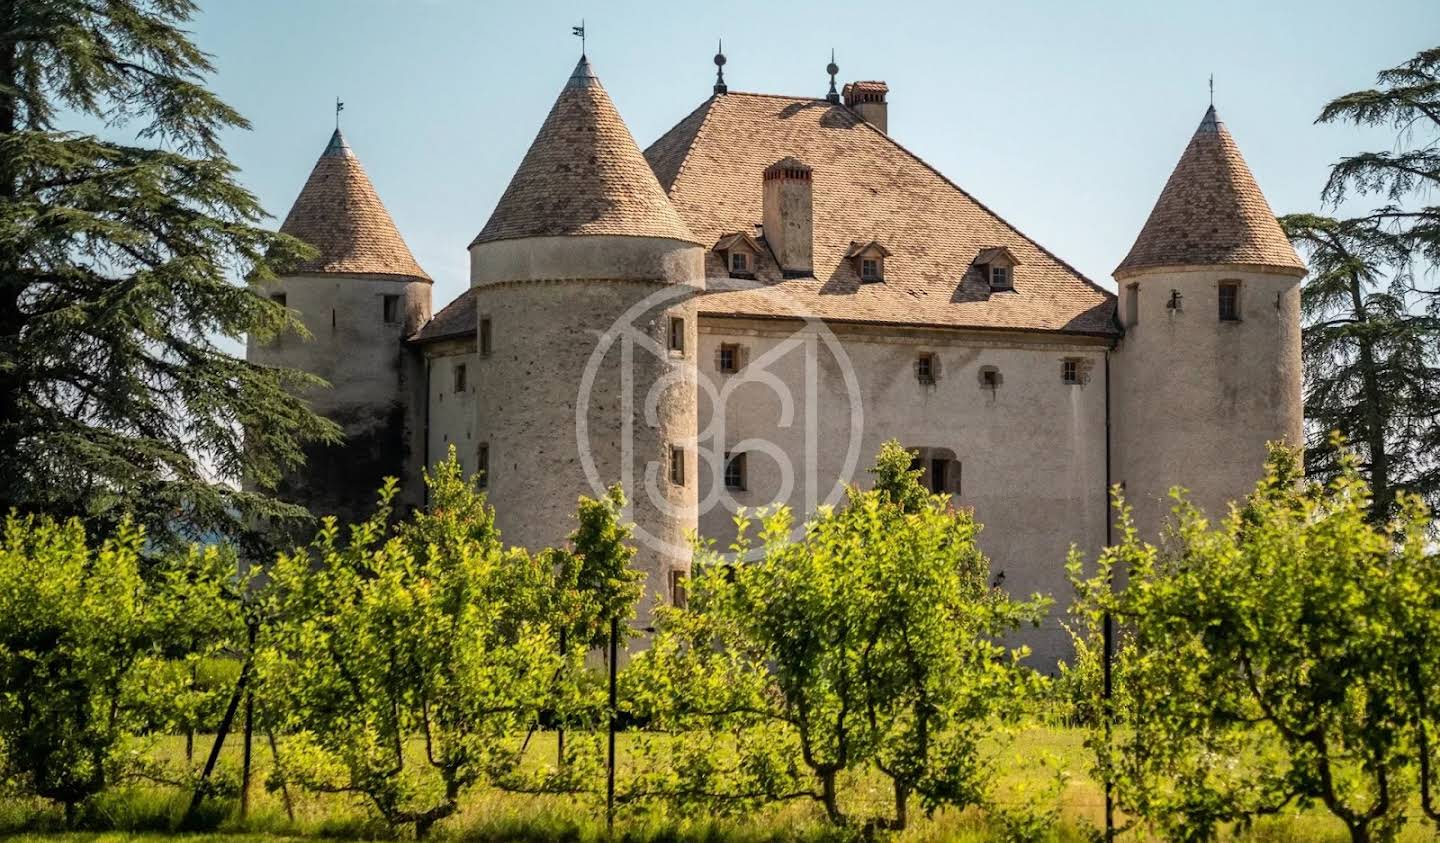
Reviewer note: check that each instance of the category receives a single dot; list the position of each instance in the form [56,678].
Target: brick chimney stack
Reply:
[789,216]
[868,100]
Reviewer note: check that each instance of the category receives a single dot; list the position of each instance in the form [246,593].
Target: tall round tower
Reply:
[360,297]
[584,281]
[1209,367]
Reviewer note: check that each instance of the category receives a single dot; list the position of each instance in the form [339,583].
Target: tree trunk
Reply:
[830,798]
[280,774]
[224,729]
[902,806]
[245,758]
[1374,418]
[11,317]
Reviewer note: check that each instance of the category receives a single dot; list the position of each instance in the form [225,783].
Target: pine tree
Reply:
[1372,336]
[117,268]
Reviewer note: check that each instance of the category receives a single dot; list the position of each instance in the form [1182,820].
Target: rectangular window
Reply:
[1229,301]
[938,471]
[482,465]
[390,309]
[735,471]
[677,465]
[925,368]
[485,335]
[1000,277]
[1132,305]
[869,269]
[460,378]
[677,334]
[278,298]
[678,596]
[1070,371]
[727,358]
[739,262]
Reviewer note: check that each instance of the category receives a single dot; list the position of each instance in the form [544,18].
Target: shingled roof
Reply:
[456,319]
[583,175]
[1211,212]
[339,213]
[866,187]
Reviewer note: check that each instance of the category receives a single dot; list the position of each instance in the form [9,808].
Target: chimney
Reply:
[868,100]
[789,216]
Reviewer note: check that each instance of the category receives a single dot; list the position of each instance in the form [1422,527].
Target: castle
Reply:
[742,313]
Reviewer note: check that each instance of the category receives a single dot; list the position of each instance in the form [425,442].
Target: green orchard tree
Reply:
[88,650]
[435,636]
[870,641]
[117,394]
[1268,661]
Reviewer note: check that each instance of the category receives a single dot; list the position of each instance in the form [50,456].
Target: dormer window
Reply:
[739,251]
[869,258]
[996,265]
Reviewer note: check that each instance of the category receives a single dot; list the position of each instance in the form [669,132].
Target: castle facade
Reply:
[739,315]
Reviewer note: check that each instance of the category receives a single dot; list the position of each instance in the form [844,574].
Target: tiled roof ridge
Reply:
[898,145]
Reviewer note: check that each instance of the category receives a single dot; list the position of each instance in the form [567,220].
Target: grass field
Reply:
[1030,765]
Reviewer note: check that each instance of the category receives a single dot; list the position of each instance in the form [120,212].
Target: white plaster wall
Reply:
[1196,399]
[1032,451]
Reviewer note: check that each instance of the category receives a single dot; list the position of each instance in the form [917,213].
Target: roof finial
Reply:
[1212,90]
[832,68]
[720,86]
[580,31]
[339,107]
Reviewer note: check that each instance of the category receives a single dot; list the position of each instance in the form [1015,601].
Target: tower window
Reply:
[1132,305]
[460,378]
[927,368]
[677,465]
[485,337]
[278,298]
[677,334]
[990,378]
[482,465]
[1070,370]
[390,309]
[727,358]
[870,269]
[735,471]
[1229,301]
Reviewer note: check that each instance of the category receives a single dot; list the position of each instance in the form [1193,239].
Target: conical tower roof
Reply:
[339,213]
[1211,213]
[584,175]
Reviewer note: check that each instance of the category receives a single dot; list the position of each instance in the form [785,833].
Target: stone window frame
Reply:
[1072,371]
[458,380]
[927,458]
[675,340]
[1233,313]
[736,358]
[485,336]
[677,465]
[735,471]
[927,368]
[990,378]
[390,309]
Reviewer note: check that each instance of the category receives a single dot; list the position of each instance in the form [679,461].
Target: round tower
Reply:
[1208,370]
[359,297]
[584,281]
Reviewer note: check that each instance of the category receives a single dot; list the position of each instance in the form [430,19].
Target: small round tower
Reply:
[1209,367]
[360,297]
[584,281]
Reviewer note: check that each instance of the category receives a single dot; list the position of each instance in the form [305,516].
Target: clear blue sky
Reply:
[1065,117]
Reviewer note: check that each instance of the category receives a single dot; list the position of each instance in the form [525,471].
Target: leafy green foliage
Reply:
[871,641]
[117,397]
[93,649]
[1280,657]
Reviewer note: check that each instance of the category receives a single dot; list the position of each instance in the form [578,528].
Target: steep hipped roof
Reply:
[866,186]
[456,319]
[583,175]
[1211,212]
[339,213]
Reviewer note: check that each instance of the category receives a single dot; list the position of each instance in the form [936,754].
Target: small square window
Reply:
[678,596]
[677,334]
[278,298]
[999,277]
[460,377]
[677,465]
[390,309]
[735,471]
[739,262]
[989,377]
[1229,301]
[482,465]
[870,269]
[727,358]
[925,368]
[1070,371]
[486,335]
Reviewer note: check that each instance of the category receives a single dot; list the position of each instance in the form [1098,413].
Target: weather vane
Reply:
[580,32]
[339,107]
[1212,90]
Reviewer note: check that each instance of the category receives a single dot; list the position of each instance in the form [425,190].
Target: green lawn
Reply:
[1030,765]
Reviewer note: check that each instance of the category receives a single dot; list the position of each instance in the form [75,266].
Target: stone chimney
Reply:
[868,100]
[789,216]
